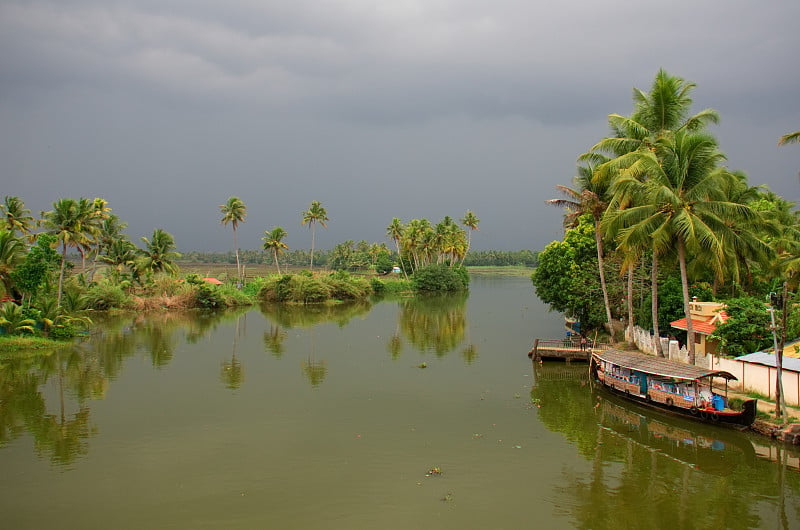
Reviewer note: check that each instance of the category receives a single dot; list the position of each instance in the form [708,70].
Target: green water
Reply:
[324,418]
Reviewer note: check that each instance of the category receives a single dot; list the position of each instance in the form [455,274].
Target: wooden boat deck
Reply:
[563,350]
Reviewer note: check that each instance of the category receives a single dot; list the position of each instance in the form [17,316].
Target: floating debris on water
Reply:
[434,472]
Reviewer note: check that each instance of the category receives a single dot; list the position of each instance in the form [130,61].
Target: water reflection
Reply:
[60,435]
[433,323]
[304,316]
[645,465]
[232,372]
[48,395]
[274,340]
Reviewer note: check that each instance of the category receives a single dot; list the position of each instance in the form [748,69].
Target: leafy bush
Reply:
[103,296]
[62,332]
[747,329]
[342,286]
[305,289]
[208,297]
[440,278]
[308,290]
[13,320]
[167,286]
[378,287]
[231,296]
[383,263]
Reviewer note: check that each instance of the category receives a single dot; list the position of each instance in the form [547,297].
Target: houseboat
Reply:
[675,387]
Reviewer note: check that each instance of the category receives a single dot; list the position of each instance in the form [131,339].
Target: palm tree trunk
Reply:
[275,253]
[654,304]
[400,257]
[313,229]
[601,266]
[686,310]
[61,274]
[780,399]
[236,250]
[630,303]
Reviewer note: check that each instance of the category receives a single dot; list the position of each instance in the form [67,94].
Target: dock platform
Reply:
[563,350]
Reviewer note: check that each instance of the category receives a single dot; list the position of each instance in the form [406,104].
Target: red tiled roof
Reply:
[706,327]
[213,280]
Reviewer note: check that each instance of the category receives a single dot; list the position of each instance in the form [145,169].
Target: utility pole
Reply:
[780,402]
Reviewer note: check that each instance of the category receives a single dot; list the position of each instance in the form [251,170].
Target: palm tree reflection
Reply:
[232,372]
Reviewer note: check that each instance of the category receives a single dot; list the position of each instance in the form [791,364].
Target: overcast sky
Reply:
[398,108]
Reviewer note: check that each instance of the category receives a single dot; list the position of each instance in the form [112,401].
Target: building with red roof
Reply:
[706,316]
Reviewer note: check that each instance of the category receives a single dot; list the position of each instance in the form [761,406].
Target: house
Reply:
[706,316]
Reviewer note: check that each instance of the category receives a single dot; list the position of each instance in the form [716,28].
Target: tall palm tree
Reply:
[315,214]
[589,196]
[234,211]
[471,222]
[395,232]
[658,114]
[684,204]
[12,253]
[15,216]
[65,222]
[159,253]
[273,240]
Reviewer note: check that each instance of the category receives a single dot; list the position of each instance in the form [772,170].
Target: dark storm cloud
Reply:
[408,108]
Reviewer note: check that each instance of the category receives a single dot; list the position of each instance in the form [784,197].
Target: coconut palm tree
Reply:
[159,254]
[119,254]
[273,240]
[16,216]
[471,222]
[315,214]
[589,196]
[234,211]
[12,254]
[684,205]
[395,232]
[659,113]
[65,222]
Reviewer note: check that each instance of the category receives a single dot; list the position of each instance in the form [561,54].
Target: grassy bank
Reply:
[500,270]
[15,345]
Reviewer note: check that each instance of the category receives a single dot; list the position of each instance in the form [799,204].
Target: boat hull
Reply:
[742,418]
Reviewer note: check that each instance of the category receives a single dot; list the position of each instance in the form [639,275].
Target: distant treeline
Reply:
[300,258]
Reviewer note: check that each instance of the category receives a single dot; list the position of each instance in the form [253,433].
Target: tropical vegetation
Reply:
[655,218]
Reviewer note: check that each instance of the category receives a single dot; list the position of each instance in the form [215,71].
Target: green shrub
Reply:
[378,287]
[308,290]
[62,332]
[383,264]
[103,296]
[232,296]
[168,285]
[14,321]
[440,278]
[342,286]
[208,297]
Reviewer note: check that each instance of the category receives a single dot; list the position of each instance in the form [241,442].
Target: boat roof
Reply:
[658,366]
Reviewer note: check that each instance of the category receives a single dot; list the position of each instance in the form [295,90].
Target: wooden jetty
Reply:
[563,350]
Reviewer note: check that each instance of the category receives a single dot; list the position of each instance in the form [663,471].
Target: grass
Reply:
[16,344]
[510,270]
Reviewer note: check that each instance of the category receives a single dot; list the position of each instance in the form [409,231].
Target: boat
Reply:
[675,387]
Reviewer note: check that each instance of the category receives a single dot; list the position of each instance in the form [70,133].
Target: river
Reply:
[418,413]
